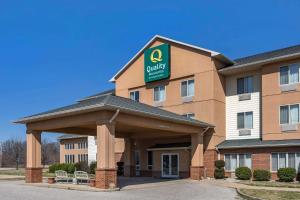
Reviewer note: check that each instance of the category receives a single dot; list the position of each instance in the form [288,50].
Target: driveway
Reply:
[173,190]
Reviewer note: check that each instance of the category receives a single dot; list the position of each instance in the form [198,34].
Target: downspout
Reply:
[114,116]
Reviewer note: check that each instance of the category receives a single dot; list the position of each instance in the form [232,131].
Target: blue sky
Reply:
[55,52]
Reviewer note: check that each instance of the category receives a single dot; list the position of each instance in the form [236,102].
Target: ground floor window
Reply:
[233,161]
[150,160]
[82,157]
[69,159]
[282,160]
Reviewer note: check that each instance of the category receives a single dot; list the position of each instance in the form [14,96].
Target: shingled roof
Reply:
[264,57]
[111,102]
[254,143]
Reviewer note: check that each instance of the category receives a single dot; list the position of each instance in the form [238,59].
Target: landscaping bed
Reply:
[271,194]
[271,184]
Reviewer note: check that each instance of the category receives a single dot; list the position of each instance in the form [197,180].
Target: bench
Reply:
[61,176]
[81,176]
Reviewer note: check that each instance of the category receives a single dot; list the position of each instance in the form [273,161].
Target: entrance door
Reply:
[170,165]
[137,163]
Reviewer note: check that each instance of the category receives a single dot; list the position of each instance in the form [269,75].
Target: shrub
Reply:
[220,163]
[68,167]
[219,173]
[243,173]
[92,167]
[261,175]
[82,166]
[219,170]
[286,174]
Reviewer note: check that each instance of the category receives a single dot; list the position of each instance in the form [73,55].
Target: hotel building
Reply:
[176,108]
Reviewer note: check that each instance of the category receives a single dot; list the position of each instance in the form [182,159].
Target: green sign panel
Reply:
[157,63]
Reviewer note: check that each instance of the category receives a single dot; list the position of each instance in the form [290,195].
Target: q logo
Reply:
[156,56]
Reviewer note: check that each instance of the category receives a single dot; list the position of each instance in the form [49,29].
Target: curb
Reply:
[245,196]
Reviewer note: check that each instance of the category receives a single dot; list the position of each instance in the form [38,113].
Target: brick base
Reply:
[129,171]
[209,158]
[146,173]
[33,175]
[106,178]
[197,173]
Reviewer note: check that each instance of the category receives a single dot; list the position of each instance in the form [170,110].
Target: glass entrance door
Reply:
[170,165]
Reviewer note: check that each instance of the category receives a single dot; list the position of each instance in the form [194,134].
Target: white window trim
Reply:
[187,89]
[243,77]
[237,160]
[244,121]
[289,71]
[134,91]
[286,159]
[289,105]
[165,93]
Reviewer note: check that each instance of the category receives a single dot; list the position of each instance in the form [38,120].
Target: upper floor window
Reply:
[289,74]
[245,85]
[135,96]
[159,93]
[289,114]
[187,88]
[189,115]
[69,146]
[245,120]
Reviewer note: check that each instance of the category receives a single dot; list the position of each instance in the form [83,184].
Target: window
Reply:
[281,160]
[150,159]
[245,85]
[245,120]
[289,114]
[189,115]
[69,159]
[135,96]
[187,88]
[69,146]
[233,161]
[159,93]
[289,74]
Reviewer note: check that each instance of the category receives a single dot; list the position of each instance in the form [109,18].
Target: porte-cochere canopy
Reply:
[108,116]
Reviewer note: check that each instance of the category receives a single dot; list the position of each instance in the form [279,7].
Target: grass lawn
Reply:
[271,194]
[271,184]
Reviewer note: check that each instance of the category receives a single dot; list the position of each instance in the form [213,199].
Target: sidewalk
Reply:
[236,185]
[11,177]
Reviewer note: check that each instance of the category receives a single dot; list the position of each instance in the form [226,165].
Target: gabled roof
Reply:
[215,54]
[265,57]
[111,102]
[254,143]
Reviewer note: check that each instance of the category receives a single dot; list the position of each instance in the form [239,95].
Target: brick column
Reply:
[129,168]
[33,173]
[197,168]
[106,173]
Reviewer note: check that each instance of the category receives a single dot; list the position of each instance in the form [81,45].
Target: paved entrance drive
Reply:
[177,189]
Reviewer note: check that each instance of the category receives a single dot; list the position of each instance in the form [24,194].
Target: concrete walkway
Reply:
[177,190]
[11,177]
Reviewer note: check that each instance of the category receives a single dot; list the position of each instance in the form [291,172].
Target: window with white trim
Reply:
[245,85]
[233,161]
[284,159]
[245,120]
[187,88]
[135,96]
[289,74]
[69,158]
[289,114]
[159,93]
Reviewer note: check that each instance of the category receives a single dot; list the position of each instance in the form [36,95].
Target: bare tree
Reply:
[13,153]
[50,152]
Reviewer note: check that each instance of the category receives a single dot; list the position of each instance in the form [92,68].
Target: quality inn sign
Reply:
[157,63]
